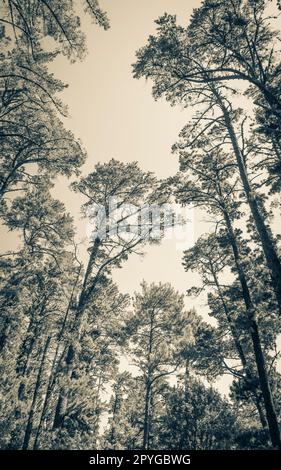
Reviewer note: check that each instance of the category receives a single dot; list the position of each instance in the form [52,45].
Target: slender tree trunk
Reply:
[265,236]
[146,424]
[29,427]
[61,407]
[148,387]
[257,400]
[185,438]
[23,359]
[248,374]
[96,402]
[271,414]
[113,426]
[55,364]
[62,402]
[48,395]
[33,332]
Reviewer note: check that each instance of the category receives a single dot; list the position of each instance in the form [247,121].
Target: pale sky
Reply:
[115,116]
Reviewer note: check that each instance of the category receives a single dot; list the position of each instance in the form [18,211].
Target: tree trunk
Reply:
[29,427]
[271,415]
[50,388]
[33,332]
[113,426]
[55,364]
[71,351]
[265,236]
[146,423]
[148,385]
[61,407]
[248,374]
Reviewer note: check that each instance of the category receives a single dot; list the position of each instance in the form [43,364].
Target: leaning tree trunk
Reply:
[27,347]
[48,396]
[55,363]
[70,356]
[265,236]
[248,374]
[39,381]
[271,414]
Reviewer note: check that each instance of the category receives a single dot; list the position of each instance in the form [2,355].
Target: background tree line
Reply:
[65,326]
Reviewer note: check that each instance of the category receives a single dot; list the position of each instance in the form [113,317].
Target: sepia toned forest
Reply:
[85,364]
